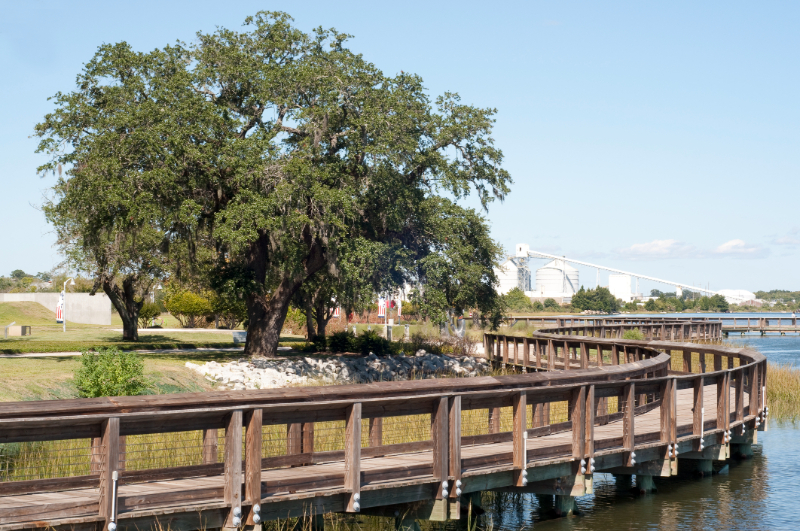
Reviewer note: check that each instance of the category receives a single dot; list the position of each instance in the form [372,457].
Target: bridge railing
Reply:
[268,447]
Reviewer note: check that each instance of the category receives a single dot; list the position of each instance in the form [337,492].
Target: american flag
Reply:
[381,307]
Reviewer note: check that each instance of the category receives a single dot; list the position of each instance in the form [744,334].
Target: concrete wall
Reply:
[80,307]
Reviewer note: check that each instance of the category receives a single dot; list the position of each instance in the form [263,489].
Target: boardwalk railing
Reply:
[725,323]
[237,458]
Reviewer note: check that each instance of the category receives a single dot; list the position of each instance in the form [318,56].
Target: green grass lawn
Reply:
[51,378]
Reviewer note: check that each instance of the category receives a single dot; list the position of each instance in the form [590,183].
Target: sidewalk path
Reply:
[159,351]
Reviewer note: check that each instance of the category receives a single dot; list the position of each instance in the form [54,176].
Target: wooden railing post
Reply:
[566,356]
[584,356]
[232,490]
[109,458]
[440,428]
[590,410]
[578,414]
[352,458]
[455,448]
[628,429]
[668,411]
[210,447]
[698,413]
[754,408]
[376,431]
[723,399]
[252,460]
[687,361]
[520,437]
[525,354]
[740,395]
[551,355]
[294,438]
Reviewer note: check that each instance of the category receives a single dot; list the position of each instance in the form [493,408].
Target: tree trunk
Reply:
[267,313]
[322,316]
[125,303]
[267,316]
[309,321]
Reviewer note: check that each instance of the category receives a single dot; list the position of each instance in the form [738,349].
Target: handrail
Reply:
[576,398]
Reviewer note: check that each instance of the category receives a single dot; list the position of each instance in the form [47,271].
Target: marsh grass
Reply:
[783,392]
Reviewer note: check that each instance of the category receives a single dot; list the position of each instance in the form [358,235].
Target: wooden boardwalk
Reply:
[658,417]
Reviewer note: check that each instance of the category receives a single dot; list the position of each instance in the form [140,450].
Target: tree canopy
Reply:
[276,149]
[599,300]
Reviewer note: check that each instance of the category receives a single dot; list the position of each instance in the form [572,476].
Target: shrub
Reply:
[551,304]
[148,312]
[538,306]
[370,341]
[517,301]
[633,334]
[110,372]
[342,342]
[230,310]
[188,308]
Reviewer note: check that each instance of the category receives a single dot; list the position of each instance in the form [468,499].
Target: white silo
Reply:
[557,279]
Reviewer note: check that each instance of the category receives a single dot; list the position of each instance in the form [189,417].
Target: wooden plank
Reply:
[519,436]
[578,412]
[739,395]
[210,451]
[376,431]
[440,428]
[252,458]
[110,459]
[589,425]
[294,438]
[628,431]
[232,476]
[455,440]
[352,457]
[698,411]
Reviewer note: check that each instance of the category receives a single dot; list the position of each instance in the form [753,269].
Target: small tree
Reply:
[188,307]
[147,313]
[517,301]
[551,305]
[110,372]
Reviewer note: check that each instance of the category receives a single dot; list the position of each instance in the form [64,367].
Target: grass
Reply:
[783,392]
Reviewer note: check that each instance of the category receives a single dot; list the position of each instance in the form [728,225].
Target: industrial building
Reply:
[620,287]
[513,273]
[556,280]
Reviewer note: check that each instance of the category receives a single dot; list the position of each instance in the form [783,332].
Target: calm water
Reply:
[759,493]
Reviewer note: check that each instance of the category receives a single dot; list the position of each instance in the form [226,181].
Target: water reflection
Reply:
[759,493]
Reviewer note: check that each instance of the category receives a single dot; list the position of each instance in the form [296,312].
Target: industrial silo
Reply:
[557,279]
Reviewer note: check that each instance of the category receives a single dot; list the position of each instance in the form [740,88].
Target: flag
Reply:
[60,308]
[336,312]
[381,307]
[399,307]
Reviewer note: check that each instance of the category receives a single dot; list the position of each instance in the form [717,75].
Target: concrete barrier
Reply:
[80,307]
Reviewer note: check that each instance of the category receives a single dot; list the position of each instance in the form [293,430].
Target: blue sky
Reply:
[660,138]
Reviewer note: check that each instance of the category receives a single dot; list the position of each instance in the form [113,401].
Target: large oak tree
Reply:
[281,146]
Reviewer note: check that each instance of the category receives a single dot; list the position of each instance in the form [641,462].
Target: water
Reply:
[758,493]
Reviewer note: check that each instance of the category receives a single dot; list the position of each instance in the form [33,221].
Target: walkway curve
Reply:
[585,401]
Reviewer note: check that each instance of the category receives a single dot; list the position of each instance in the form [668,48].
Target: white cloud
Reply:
[668,249]
[740,249]
[791,239]
[657,250]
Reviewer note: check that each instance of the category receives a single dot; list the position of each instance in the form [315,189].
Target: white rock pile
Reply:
[262,373]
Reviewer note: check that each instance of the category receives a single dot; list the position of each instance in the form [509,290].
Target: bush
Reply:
[342,342]
[517,301]
[633,334]
[551,304]
[148,312]
[188,308]
[230,310]
[110,372]
[537,306]
[370,341]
